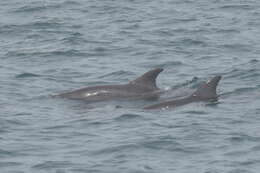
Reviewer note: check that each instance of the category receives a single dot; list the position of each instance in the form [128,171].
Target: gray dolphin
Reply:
[144,87]
[205,92]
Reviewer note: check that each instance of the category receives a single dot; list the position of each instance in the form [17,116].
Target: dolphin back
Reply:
[144,87]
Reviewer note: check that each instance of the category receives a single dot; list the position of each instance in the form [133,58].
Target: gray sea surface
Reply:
[51,46]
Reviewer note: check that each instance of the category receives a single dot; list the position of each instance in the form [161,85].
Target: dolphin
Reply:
[205,92]
[143,87]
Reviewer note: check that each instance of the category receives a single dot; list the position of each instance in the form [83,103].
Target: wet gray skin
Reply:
[144,87]
[205,92]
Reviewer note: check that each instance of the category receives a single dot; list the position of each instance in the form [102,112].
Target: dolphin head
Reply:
[207,90]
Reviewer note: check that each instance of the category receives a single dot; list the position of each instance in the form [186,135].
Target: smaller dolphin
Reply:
[144,87]
[205,92]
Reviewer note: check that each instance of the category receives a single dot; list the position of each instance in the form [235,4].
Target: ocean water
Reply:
[52,46]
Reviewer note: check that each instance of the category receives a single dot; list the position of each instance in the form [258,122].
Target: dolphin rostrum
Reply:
[144,87]
[205,92]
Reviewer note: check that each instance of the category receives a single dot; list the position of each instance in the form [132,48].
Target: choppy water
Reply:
[52,46]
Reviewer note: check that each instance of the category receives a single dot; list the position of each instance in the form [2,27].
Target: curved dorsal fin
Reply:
[207,90]
[148,79]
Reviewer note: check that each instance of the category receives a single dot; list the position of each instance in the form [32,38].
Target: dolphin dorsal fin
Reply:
[207,90]
[148,79]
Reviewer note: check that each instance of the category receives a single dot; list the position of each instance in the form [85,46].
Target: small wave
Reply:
[253,61]
[126,117]
[236,153]
[27,75]
[212,103]
[70,53]
[97,123]
[255,148]
[39,7]
[100,49]
[28,27]
[57,127]
[242,90]
[186,20]
[170,144]
[9,164]
[70,3]
[116,73]
[169,64]
[16,122]
[166,144]
[228,31]
[196,112]
[80,120]
[208,57]
[189,30]
[10,153]
[239,91]
[45,24]
[75,38]
[30,8]
[3,130]
[242,137]
[6,153]
[36,7]
[238,7]
[86,122]
[170,126]
[116,149]
[194,80]
[250,162]
[192,42]
[52,164]
[239,47]
[67,53]
[250,72]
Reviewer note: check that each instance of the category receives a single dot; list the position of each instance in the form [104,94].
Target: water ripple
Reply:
[237,7]
[27,75]
[239,137]
[129,117]
[9,164]
[116,149]
[52,164]
[6,153]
